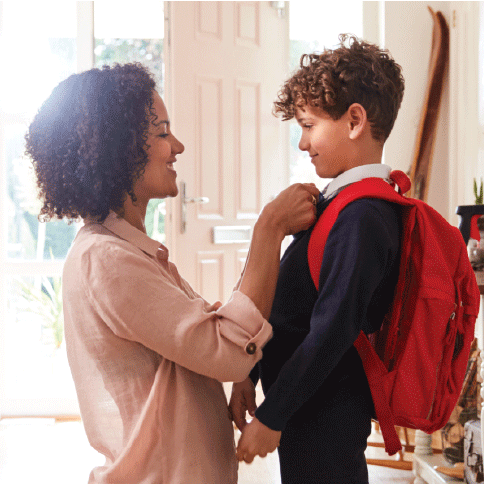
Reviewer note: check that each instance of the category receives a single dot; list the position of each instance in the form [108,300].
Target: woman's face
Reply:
[159,178]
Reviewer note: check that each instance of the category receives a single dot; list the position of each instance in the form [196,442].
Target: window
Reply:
[34,375]
[43,48]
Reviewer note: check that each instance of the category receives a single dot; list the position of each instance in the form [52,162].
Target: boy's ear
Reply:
[357,120]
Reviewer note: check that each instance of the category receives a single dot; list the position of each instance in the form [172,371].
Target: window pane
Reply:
[35,331]
[130,35]
[27,238]
[312,27]
[40,48]
[134,35]
[155,219]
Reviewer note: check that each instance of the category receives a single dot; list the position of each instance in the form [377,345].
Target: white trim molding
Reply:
[374,21]
[464,104]
[85,36]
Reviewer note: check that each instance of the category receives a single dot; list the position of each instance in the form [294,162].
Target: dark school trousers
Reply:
[327,445]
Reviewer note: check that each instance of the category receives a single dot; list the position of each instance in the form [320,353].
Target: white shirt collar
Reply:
[377,170]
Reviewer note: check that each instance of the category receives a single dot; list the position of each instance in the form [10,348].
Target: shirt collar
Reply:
[377,170]
[119,226]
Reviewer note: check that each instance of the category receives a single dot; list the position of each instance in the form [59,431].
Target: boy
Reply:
[318,406]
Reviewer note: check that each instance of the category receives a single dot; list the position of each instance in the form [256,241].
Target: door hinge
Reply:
[280,7]
[167,22]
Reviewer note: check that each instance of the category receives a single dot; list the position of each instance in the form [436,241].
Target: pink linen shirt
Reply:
[147,355]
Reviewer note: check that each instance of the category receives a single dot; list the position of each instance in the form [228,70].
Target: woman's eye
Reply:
[163,135]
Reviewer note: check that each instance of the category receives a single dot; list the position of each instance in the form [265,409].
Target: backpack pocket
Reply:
[419,380]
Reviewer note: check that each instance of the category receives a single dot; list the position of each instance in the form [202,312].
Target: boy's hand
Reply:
[242,400]
[257,439]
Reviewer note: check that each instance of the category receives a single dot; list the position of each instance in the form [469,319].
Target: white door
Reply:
[226,62]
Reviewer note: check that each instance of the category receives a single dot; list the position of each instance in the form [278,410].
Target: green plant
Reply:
[45,299]
[478,192]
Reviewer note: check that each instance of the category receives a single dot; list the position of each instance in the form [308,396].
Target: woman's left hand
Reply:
[257,439]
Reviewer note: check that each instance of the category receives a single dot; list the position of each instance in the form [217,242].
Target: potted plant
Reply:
[470,215]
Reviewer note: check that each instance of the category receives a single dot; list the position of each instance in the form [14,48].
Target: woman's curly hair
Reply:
[88,141]
[358,72]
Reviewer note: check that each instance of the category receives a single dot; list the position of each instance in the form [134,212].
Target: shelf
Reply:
[424,467]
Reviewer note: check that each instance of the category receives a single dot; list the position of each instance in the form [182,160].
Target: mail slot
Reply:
[237,234]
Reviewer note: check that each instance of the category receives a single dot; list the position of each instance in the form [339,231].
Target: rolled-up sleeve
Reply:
[143,300]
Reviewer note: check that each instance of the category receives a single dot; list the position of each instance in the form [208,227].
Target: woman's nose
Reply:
[178,147]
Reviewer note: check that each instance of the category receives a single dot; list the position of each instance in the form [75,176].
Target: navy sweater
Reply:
[311,355]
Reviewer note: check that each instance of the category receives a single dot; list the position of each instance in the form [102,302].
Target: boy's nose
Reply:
[303,144]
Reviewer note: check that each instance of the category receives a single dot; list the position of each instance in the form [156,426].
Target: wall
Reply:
[407,35]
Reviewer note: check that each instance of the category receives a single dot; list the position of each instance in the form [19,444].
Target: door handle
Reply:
[184,201]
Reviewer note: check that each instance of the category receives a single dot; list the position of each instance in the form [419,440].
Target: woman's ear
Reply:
[357,120]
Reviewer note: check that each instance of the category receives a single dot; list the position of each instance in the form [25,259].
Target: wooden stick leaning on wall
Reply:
[424,146]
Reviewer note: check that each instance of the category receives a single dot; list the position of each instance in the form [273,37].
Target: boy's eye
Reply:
[307,126]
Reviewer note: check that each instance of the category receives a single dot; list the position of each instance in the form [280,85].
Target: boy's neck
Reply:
[367,152]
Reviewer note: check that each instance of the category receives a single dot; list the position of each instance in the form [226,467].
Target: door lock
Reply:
[184,201]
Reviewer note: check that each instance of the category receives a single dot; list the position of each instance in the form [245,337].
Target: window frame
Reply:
[39,407]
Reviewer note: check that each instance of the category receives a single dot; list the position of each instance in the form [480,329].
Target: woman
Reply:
[146,352]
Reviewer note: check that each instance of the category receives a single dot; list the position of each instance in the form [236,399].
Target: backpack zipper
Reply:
[451,334]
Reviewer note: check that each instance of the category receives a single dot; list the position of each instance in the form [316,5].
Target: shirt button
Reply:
[251,348]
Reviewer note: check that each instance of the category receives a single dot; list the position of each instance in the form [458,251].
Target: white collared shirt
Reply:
[376,170]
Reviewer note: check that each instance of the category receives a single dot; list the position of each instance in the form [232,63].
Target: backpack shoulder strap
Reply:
[367,188]
[373,366]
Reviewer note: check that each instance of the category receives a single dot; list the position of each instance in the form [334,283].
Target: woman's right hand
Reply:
[293,210]
[290,212]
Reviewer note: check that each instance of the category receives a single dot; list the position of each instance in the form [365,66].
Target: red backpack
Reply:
[416,362]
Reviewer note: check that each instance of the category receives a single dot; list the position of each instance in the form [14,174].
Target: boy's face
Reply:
[326,141]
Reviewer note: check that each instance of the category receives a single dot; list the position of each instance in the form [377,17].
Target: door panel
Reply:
[226,62]
[247,156]
[210,273]
[208,131]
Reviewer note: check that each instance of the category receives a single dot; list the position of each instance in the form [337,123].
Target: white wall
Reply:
[408,36]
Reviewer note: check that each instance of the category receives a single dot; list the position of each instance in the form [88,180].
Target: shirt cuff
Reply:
[265,415]
[244,324]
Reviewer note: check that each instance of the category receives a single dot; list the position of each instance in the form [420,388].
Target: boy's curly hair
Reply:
[358,72]
[88,141]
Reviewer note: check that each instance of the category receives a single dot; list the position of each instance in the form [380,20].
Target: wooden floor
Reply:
[265,471]
[41,451]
